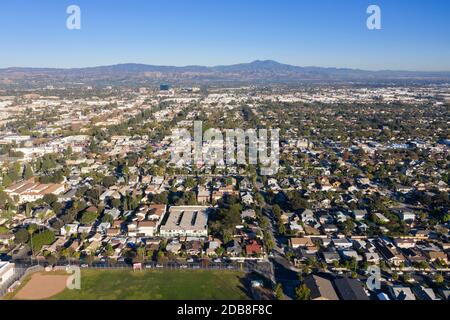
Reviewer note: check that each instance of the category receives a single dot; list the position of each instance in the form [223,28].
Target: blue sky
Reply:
[415,34]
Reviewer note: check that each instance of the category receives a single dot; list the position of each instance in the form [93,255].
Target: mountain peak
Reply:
[265,62]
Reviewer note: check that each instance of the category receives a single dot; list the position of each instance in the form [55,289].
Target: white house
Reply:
[342,243]
[407,215]
[146,228]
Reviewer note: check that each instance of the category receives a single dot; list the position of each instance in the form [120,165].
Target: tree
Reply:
[259,199]
[279,292]
[14,172]
[109,181]
[6,181]
[50,199]
[51,259]
[115,203]
[190,183]
[89,259]
[28,210]
[140,254]
[88,218]
[31,229]
[303,293]
[66,254]
[162,198]
[108,218]
[446,218]
[276,211]
[3,230]
[439,279]
[4,199]
[109,251]
[28,172]
[44,238]
[22,236]
[282,229]
[57,207]
[68,152]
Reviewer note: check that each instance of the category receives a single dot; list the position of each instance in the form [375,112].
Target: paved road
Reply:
[284,272]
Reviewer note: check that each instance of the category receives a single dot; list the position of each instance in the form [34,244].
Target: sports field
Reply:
[151,285]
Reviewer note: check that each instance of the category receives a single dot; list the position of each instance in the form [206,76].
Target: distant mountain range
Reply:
[256,72]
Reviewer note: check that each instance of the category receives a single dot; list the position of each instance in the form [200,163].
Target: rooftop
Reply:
[186,218]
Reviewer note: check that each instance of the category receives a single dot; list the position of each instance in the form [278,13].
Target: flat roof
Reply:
[186,218]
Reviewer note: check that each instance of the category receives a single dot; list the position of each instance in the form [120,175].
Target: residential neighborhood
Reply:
[85,182]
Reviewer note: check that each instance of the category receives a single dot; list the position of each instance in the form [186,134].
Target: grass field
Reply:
[158,285]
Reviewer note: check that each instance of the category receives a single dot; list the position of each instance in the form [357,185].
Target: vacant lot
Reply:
[158,285]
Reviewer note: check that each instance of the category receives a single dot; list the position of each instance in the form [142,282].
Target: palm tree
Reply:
[65,253]
[141,253]
[31,229]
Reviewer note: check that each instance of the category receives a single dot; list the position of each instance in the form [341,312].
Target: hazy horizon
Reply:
[325,33]
[214,66]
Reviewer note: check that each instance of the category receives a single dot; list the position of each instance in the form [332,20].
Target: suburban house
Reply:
[234,248]
[406,215]
[203,196]
[424,293]
[6,238]
[331,256]
[350,289]
[146,228]
[296,243]
[248,214]
[156,212]
[390,254]
[401,293]
[436,255]
[174,247]
[359,214]
[253,248]
[342,243]
[321,288]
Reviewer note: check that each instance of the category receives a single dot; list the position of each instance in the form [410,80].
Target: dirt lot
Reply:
[42,286]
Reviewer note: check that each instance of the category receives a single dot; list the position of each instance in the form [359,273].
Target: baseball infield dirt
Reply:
[42,286]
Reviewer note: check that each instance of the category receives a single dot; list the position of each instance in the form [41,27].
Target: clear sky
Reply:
[415,34]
